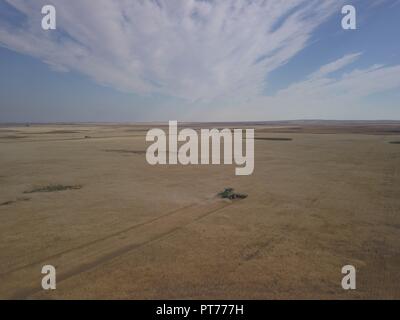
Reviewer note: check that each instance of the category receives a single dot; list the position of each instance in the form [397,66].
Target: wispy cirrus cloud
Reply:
[329,91]
[195,50]
[355,84]
[335,65]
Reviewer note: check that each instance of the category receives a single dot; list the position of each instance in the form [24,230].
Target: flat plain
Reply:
[83,198]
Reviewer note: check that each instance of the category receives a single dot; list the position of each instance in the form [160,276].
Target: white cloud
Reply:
[335,65]
[196,50]
[318,95]
[215,55]
[354,85]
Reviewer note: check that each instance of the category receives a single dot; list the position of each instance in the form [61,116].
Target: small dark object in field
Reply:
[394,142]
[229,194]
[6,203]
[13,137]
[53,188]
[87,137]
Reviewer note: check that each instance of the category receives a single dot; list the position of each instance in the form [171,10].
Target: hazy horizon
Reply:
[321,121]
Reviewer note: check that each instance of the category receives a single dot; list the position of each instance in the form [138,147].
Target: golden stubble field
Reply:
[126,229]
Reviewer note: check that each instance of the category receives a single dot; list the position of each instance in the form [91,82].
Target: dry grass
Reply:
[273,139]
[139,231]
[126,151]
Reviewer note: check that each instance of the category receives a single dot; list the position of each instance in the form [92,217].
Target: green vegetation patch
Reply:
[229,194]
[53,188]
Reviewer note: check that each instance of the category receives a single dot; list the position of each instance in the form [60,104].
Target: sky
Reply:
[199,60]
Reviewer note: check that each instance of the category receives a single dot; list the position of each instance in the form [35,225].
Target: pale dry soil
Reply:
[131,231]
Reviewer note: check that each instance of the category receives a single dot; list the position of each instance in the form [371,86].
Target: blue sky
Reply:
[187,60]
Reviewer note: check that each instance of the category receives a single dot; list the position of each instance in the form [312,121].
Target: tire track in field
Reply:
[56,255]
[26,281]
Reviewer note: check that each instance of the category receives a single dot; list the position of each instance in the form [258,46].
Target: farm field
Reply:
[83,198]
